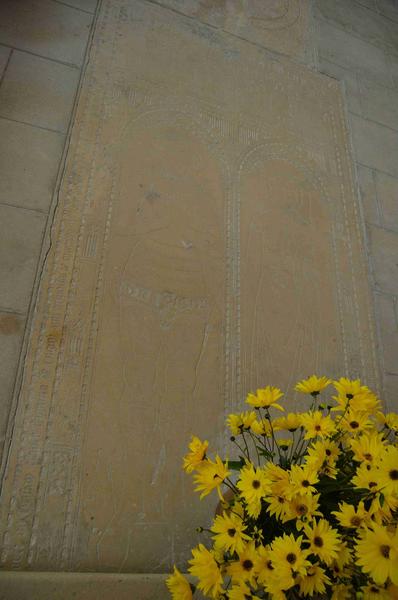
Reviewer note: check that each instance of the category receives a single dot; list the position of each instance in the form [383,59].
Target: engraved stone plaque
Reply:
[207,241]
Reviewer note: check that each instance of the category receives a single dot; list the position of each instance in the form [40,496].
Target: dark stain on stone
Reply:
[10,324]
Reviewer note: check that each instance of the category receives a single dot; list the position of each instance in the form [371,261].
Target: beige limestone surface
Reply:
[207,241]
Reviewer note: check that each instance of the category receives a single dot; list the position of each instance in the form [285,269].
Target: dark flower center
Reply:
[317,428]
[385,550]
[269,566]
[305,483]
[368,456]
[231,532]
[372,484]
[375,590]
[247,564]
[354,424]
[328,452]
[291,558]
[281,500]
[301,509]
[393,474]
[356,521]
[256,484]
[318,541]
[349,396]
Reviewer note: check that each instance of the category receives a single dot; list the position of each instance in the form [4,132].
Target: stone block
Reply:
[375,145]
[87,5]
[21,234]
[386,316]
[30,159]
[4,56]
[384,253]
[82,586]
[338,46]
[11,334]
[387,195]
[358,21]
[371,4]
[388,8]
[390,397]
[38,91]
[49,29]
[280,26]
[207,241]
[367,187]
[350,80]
[379,103]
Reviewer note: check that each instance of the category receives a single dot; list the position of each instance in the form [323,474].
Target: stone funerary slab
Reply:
[207,241]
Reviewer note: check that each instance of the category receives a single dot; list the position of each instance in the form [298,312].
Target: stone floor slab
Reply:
[11,333]
[87,5]
[82,586]
[358,21]
[376,146]
[386,311]
[21,235]
[207,241]
[388,8]
[367,187]
[46,28]
[387,194]
[384,252]
[29,159]
[338,46]
[4,56]
[38,91]
[350,80]
[379,103]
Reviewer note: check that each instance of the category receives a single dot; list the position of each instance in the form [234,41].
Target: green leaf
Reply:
[235,465]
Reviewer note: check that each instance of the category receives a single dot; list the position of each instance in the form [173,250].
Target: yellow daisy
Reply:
[313,385]
[286,552]
[388,470]
[349,387]
[240,422]
[317,425]
[303,508]
[210,475]
[197,455]
[375,592]
[245,568]
[262,427]
[367,477]
[390,420]
[265,398]
[377,554]
[341,592]
[303,479]
[314,582]
[367,447]
[349,516]
[253,486]
[178,586]
[354,422]
[290,422]
[324,540]
[205,568]
[229,532]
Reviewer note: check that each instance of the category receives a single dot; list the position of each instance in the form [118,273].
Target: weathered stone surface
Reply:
[21,235]
[280,25]
[384,252]
[367,186]
[38,91]
[11,333]
[386,315]
[29,157]
[62,34]
[338,46]
[4,56]
[82,586]
[375,145]
[350,79]
[207,241]
[387,195]
[379,103]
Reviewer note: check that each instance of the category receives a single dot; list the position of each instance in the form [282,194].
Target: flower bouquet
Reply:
[309,508]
